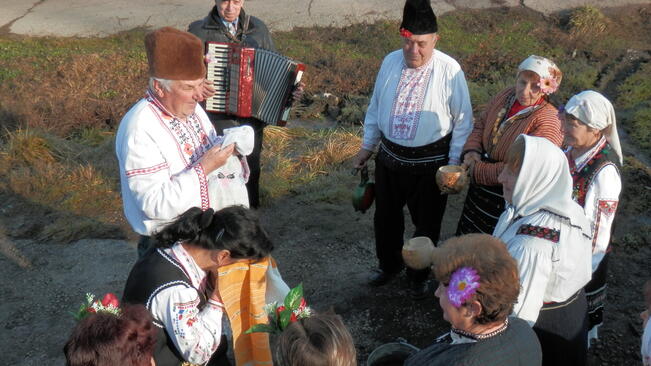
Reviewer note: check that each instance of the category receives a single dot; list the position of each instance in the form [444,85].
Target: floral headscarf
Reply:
[550,74]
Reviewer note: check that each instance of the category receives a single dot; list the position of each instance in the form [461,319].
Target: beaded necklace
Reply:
[501,122]
[482,336]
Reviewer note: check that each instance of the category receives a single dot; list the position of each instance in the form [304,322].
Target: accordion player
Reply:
[251,82]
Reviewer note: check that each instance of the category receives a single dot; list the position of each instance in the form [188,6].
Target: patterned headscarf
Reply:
[550,74]
[596,111]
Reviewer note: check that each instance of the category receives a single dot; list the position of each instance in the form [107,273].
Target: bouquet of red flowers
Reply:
[280,316]
[108,304]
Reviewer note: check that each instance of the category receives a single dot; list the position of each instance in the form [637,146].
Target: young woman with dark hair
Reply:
[178,281]
[105,339]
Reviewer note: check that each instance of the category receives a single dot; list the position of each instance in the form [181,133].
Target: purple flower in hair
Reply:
[463,284]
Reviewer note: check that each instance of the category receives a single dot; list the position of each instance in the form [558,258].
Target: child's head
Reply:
[319,340]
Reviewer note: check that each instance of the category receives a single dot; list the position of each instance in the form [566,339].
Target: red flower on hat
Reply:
[405,33]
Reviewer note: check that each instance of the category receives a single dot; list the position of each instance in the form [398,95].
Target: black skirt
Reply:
[481,210]
[595,292]
[562,329]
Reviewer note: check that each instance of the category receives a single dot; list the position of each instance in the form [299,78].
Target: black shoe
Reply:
[379,277]
[418,290]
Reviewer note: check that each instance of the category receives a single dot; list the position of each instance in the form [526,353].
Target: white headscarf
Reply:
[596,111]
[544,183]
[550,74]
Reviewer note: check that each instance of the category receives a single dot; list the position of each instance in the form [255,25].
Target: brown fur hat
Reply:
[174,55]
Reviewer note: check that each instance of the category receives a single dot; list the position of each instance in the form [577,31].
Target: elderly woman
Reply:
[522,109]
[549,236]
[477,293]
[180,282]
[594,155]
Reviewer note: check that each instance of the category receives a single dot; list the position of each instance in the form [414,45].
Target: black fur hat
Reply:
[418,17]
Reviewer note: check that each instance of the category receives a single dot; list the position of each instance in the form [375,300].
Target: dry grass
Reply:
[337,146]
[295,156]
[78,190]
[61,99]
[25,147]
[588,21]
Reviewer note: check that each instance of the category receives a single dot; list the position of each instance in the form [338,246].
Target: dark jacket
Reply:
[251,31]
[517,346]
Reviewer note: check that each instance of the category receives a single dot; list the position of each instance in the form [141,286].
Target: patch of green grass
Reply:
[636,88]
[639,128]
[578,74]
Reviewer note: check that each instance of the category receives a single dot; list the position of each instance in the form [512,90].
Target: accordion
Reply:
[251,82]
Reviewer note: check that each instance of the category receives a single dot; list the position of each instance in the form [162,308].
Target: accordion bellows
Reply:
[251,82]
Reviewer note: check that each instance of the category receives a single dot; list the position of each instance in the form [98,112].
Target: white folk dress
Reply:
[545,230]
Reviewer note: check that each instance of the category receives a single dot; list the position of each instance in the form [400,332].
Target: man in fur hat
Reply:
[169,154]
[228,22]
[418,120]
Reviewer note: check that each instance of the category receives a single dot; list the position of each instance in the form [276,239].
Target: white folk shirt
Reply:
[601,200]
[195,333]
[160,176]
[549,271]
[419,106]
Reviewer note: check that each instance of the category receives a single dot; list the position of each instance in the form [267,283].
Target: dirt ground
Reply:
[321,242]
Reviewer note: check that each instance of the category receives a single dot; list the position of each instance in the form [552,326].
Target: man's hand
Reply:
[298,92]
[470,159]
[208,89]
[216,157]
[359,160]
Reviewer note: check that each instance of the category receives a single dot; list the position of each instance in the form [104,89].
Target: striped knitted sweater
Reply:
[541,121]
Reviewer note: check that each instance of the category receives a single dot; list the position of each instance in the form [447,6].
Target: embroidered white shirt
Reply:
[416,107]
[549,271]
[195,333]
[159,172]
[601,201]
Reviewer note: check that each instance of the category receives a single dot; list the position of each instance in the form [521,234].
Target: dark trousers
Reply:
[253,185]
[426,205]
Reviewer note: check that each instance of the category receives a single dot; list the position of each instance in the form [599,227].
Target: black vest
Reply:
[153,273]
[583,178]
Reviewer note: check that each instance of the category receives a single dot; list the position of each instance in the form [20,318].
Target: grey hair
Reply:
[165,83]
